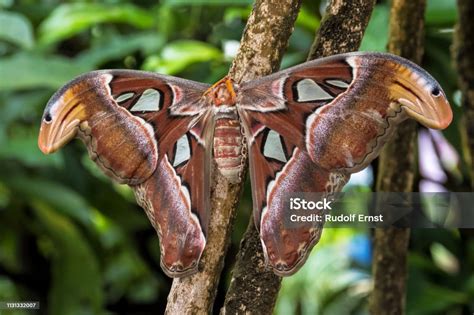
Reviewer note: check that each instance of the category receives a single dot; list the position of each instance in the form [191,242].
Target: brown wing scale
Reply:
[131,122]
[334,115]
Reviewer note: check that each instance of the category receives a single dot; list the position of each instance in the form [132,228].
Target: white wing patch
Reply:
[338,83]
[149,101]
[123,97]
[183,151]
[273,148]
[308,91]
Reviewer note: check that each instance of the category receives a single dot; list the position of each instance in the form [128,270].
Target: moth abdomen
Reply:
[228,148]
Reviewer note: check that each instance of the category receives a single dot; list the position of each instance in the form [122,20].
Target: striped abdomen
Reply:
[228,148]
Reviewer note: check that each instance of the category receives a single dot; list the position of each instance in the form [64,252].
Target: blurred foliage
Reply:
[79,244]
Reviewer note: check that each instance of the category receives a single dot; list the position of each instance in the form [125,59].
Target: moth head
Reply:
[222,93]
[421,97]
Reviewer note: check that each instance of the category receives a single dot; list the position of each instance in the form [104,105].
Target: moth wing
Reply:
[278,168]
[135,125]
[342,109]
[330,118]
[176,199]
[176,196]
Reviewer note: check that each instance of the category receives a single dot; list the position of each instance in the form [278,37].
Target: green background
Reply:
[78,243]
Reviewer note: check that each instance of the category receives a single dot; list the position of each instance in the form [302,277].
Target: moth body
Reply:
[229,140]
[228,148]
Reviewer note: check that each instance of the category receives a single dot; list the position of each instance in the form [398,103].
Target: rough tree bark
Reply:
[254,289]
[464,58]
[396,169]
[342,27]
[260,53]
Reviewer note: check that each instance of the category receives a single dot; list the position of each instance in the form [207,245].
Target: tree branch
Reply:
[397,167]
[342,28]
[260,54]
[253,288]
[464,58]
[265,39]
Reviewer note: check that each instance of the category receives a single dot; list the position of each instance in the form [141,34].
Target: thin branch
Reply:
[342,28]
[265,38]
[254,289]
[397,165]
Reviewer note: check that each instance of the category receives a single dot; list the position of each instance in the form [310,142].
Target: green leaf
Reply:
[19,107]
[24,105]
[76,286]
[232,13]
[441,12]
[431,298]
[178,55]
[6,3]
[207,2]
[167,22]
[55,195]
[69,19]
[307,20]
[120,46]
[9,243]
[291,59]
[27,70]
[24,148]
[127,271]
[336,286]
[376,34]
[444,259]
[16,29]
[8,291]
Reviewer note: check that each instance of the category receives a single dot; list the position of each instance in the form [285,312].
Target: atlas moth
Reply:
[304,129]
